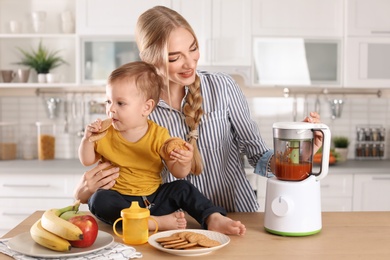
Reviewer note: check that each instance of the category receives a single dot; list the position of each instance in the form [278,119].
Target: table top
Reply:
[344,235]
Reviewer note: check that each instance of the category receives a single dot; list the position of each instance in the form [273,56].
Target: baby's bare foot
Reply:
[175,220]
[225,225]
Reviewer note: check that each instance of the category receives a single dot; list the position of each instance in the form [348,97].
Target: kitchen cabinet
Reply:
[223,32]
[368,18]
[52,37]
[305,18]
[367,62]
[337,192]
[36,185]
[117,17]
[371,192]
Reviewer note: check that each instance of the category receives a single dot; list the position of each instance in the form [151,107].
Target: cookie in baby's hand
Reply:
[170,145]
[102,132]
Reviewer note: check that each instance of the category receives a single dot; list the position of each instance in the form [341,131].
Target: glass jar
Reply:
[8,141]
[46,141]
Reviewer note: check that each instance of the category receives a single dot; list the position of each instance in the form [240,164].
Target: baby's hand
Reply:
[93,128]
[181,155]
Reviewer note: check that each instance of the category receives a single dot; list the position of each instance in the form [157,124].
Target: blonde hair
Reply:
[146,78]
[153,29]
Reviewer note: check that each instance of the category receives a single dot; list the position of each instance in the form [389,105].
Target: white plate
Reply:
[223,239]
[24,244]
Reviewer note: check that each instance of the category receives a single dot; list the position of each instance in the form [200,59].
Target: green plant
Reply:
[41,60]
[340,142]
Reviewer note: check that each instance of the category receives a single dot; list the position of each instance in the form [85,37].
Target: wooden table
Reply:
[345,235]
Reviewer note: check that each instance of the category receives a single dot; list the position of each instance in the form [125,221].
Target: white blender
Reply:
[293,197]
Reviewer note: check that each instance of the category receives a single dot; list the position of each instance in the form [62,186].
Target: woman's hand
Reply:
[101,176]
[318,138]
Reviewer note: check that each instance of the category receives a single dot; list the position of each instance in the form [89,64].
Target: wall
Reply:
[267,107]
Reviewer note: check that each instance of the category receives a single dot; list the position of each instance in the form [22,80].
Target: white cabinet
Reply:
[371,192]
[223,30]
[116,17]
[337,192]
[298,18]
[367,62]
[52,37]
[368,18]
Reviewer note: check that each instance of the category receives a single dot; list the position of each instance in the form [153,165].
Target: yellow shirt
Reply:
[140,162]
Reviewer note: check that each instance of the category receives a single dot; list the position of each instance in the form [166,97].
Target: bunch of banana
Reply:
[54,232]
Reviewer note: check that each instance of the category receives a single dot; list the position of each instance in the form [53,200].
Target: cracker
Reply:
[106,123]
[185,240]
[165,239]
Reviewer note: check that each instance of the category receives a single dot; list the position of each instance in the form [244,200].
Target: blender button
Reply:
[281,206]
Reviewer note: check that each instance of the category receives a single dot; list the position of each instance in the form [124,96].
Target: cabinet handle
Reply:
[325,186]
[380,32]
[15,214]
[380,178]
[26,185]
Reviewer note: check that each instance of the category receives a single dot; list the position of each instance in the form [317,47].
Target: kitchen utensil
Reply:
[66,117]
[135,229]
[52,105]
[336,107]
[23,75]
[8,75]
[293,200]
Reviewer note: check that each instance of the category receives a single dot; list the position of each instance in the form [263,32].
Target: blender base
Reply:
[292,234]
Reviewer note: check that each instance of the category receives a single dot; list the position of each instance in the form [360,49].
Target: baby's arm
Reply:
[87,154]
[179,162]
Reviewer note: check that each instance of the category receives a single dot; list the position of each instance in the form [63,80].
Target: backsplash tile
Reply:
[264,110]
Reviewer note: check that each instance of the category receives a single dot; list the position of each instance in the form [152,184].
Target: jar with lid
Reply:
[8,141]
[46,140]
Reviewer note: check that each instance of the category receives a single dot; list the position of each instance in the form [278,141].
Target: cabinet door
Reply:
[336,192]
[368,18]
[371,192]
[116,17]
[297,18]
[367,62]
[231,32]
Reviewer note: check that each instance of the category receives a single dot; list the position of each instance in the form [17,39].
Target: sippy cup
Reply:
[135,229]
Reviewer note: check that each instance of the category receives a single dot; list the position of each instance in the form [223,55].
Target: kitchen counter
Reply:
[345,235]
[361,166]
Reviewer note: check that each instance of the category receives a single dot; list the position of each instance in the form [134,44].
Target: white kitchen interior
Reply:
[241,37]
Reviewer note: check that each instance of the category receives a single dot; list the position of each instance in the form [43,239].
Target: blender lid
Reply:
[297,125]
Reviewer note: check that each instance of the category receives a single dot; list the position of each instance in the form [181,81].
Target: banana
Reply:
[52,222]
[47,239]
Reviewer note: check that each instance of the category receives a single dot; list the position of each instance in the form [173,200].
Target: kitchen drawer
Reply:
[37,185]
[13,211]
[337,185]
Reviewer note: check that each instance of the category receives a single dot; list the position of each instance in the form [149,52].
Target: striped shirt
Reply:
[226,130]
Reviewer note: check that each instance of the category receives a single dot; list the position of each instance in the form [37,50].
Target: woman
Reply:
[207,109]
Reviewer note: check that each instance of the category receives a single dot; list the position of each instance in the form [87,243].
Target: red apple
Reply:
[90,229]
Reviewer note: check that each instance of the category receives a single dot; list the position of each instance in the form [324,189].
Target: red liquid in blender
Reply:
[292,172]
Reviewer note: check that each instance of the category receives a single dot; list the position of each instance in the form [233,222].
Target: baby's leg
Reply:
[175,220]
[225,225]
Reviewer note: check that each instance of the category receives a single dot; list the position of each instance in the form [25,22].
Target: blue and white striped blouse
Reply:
[225,131]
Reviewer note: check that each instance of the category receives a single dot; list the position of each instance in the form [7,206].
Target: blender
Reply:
[293,196]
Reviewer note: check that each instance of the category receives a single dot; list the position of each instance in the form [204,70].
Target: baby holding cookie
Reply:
[138,146]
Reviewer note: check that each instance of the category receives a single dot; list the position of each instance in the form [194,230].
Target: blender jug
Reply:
[293,145]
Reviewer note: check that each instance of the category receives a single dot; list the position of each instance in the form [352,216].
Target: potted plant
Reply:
[41,60]
[341,144]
